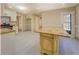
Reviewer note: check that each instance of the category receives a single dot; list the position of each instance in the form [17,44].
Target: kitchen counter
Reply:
[6,30]
[53,31]
[49,40]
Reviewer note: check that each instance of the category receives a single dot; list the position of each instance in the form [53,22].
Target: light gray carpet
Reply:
[69,46]
[28,43]
[24,43]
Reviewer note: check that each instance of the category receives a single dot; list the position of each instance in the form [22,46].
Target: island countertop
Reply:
[53,31]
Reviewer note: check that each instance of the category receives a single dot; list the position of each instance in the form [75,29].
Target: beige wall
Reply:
[77,22]
[36,22]
[54,18]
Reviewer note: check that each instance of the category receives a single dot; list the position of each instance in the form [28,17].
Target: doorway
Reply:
[28,24]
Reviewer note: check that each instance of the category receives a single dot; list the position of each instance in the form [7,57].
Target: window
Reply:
[67,23]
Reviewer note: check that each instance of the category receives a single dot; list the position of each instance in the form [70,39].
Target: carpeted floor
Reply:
[28,43]
[69,46]
[24,43]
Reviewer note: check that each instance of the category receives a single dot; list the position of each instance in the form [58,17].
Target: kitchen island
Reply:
[49,40]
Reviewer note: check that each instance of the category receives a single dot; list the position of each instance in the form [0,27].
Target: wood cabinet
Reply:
[49,44]
[49,40]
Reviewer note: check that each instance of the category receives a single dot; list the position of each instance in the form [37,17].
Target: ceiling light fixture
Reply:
[21,7]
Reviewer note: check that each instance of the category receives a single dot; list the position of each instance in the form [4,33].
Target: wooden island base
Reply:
[49,40]
[49,44]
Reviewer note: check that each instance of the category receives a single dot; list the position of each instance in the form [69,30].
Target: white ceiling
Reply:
[38,7]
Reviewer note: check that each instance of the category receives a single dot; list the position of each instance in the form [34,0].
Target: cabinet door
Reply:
[48,44]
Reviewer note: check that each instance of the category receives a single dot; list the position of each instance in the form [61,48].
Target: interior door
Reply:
[18,18]
[28,24]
